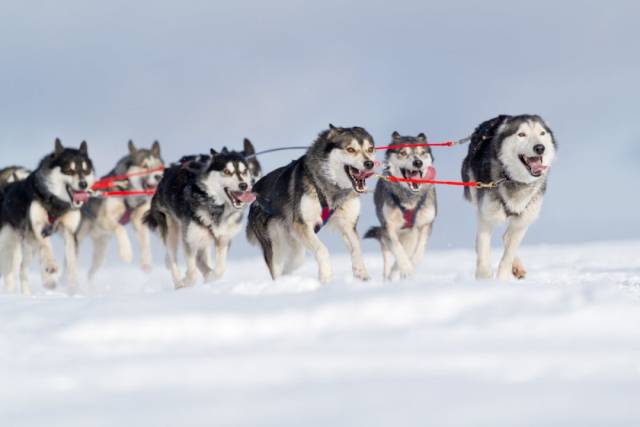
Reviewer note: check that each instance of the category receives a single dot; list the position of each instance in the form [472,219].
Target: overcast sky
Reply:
[197,75]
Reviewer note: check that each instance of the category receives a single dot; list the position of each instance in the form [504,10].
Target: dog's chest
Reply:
[223,222]
[516,200]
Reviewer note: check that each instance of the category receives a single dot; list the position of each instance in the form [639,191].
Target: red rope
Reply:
[430,181]
[123,193]
[107,181]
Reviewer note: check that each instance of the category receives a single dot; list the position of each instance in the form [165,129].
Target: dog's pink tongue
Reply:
[430,173]
[536,166]
[80,196]
[364,174]
[245,196]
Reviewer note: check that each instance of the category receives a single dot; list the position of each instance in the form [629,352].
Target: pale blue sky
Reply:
[200,74]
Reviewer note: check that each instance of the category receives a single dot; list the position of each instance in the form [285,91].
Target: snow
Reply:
[560,348]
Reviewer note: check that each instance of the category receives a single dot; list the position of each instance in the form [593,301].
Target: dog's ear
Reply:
[213,152]
[248,148]
[83,148]
[58,147]
[132,148]
[395,135]
[155,149]
[224,150]
[422,136]
[333,131]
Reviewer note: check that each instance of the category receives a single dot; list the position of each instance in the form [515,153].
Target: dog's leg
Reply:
[222,249]
[346,218]
[279,249]
[421,245]
[518,270]
[512,239]
[172,241]
[143,234]
[483,249]
[70,259]
[100,245]
[190,255]
[387,258]
[27,255]
[403,263]
[12,257]
[39,223]
[203,260]
[294,256]
[311,241]
[124,244]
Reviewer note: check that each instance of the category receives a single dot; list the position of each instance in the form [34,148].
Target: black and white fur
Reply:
[31,210]
[104,218]
[520,150]
[12,174]
[199,204]
[288,211]
[406,211]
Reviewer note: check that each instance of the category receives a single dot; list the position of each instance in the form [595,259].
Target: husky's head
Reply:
[410,162]
[526,147]
[142,159]
[254,166]
[13,174]
[68,173]
[227,177]
[345,156]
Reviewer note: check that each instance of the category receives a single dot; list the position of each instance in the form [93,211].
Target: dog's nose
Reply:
[83,185]
[538,148]
[417,163]
[368,164]
[243,186]
[158,177]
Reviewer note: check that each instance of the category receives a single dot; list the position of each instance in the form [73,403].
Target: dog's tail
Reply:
[257,232]
[466,178]
[373,233]
[156,220]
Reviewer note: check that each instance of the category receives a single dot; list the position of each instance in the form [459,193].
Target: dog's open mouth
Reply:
[533,164]
[240,198]
[148,186]
[78,198]
[418,174]
[358,178]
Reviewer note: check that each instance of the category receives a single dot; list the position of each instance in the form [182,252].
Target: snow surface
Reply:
[561,348]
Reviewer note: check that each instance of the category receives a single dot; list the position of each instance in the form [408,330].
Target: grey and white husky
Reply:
[31,210]
[12,174]
[321,187]
[104,218]
[200,204]
[406,211]
[518,151]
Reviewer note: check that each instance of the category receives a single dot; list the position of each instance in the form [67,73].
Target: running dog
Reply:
[104,218]
[321,187]
[12,174]
[200,204]
[31,210]
[516,151]
[406,210]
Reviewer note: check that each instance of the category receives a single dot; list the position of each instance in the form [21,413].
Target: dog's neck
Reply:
[333,195]
[53,204]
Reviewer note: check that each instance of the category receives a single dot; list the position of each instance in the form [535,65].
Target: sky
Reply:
[203,74]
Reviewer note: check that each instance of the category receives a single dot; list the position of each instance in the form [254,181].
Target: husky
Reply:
[47,200]
[104,218]
[321,187]
[200,204]
[248,151]
[12,174]
[406,210]
[516,151]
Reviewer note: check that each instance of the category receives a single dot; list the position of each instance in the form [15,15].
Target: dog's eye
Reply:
[404,153]
[227,172]
[543,133]
[522,134]
[370,150]
[351,150]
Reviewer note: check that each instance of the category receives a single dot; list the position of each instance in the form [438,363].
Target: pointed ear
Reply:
[213,152]
[333,131]
[58,147]
[155,149]
[83,148]
[422,137]
[395,135]
[132,148]
[248,147]
[225,150]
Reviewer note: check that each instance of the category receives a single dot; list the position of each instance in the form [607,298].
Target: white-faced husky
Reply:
[48,200]
[321,187]
[200,204]
[104,218]
[518,151]
[12,174]
[406,210]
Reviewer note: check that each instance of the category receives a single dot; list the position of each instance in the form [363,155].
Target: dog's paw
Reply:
[146,268]
[406,271]
[483,273]
[51,268]
[126,254]
[26,290]
[325,277]
[518,270]
[213,275]
[361,273]
[181,284]
[50,284]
